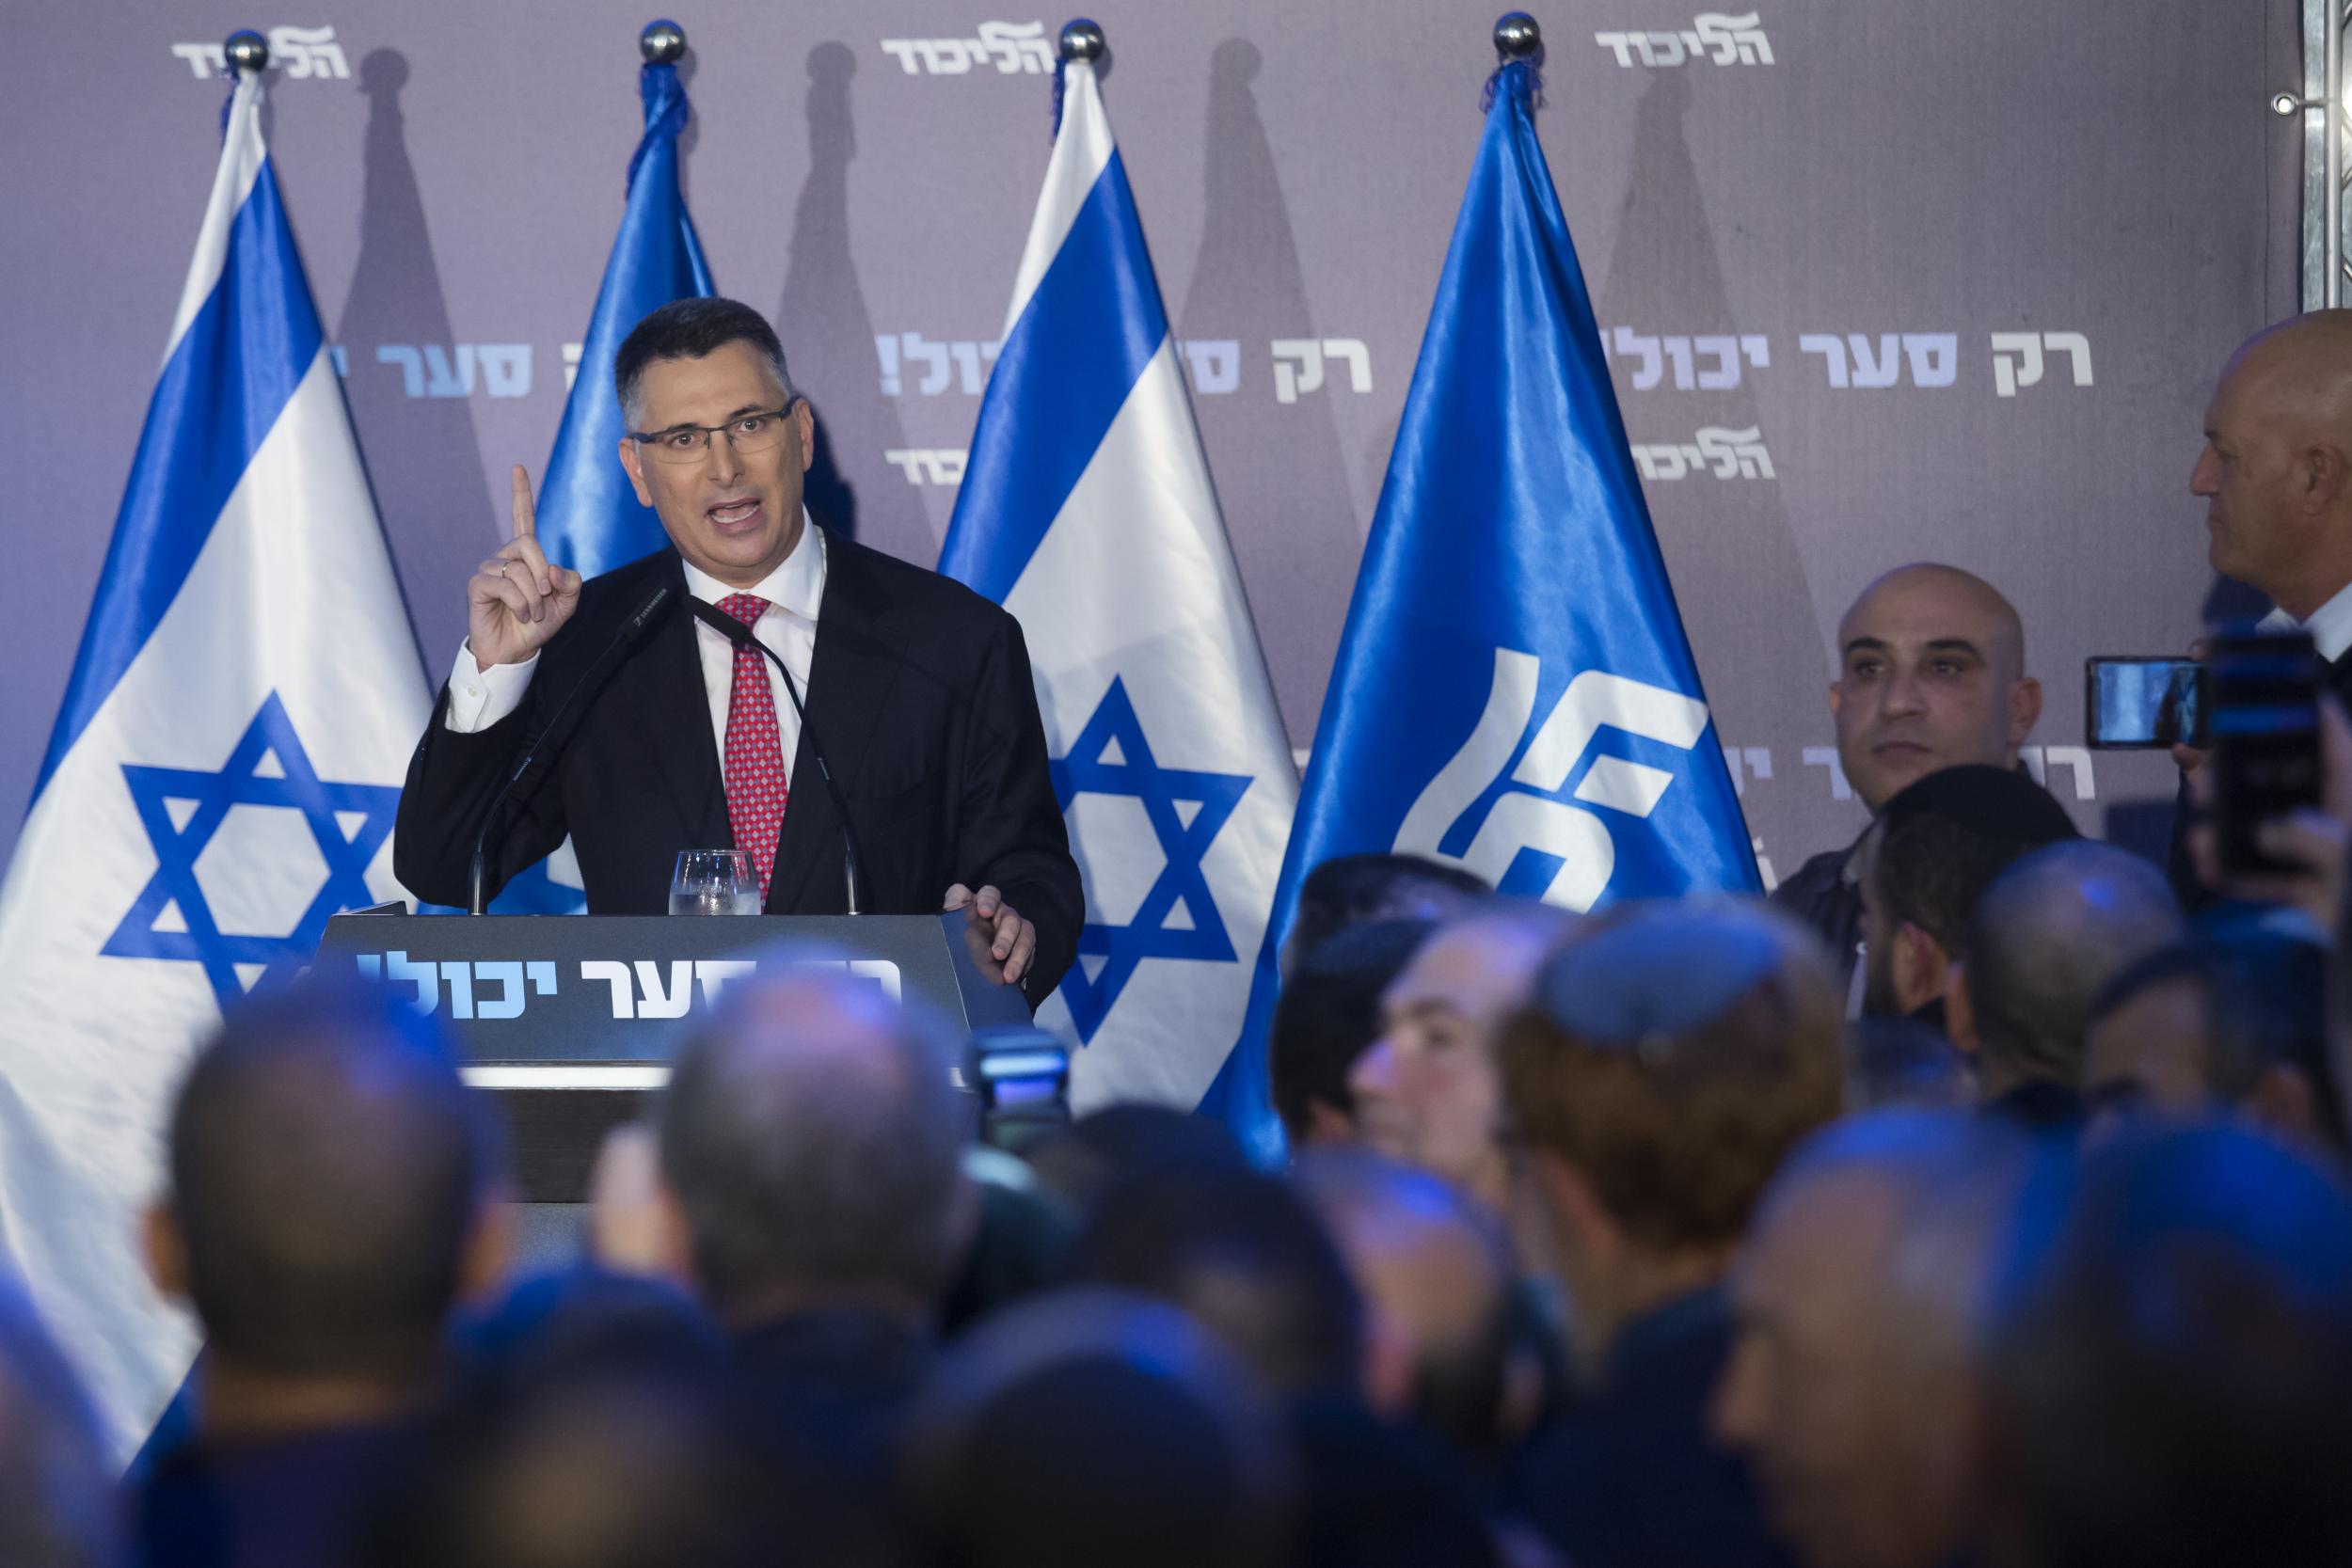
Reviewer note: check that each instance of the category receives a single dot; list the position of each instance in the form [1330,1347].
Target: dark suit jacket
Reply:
[918,688]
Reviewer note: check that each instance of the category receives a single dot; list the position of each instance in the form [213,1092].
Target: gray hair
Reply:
[812,1135]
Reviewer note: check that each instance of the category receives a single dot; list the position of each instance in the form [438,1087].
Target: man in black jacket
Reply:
[918,689]
[1930,674]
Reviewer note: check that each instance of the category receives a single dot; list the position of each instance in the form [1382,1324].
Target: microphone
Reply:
[740,635]
[476,868]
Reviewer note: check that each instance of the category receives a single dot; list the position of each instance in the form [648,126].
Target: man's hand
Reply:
[2188,759]
[2316,840]
[1014,939]
[516,601]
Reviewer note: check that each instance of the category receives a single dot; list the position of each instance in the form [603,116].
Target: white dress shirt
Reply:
[479,698]
[2330,625]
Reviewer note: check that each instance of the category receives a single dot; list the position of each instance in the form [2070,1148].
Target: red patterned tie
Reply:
[754,760]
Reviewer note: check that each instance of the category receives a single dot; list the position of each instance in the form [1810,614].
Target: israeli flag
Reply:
[589,518]
[1514,692]
[1087,511]
[222,776]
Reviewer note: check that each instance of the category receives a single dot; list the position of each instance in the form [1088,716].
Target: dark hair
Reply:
[1241,1252]
[2265,1001]
[1329,1011]
[1353,890]
[2046,937]
[328,1164]
[814,1140]
[2177,1375]
[692,329]
[1087,1159]
[1943,839]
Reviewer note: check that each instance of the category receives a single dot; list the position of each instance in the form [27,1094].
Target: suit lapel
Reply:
[851,671]
[678,710]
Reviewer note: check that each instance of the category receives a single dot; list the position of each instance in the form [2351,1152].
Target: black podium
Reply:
[570,1021]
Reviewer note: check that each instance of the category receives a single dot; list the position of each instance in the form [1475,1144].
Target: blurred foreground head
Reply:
[1428,1090]
[2228,1021]
[1860,1296]
[331,1186]
[1243,1254]
[812,1138]
[1671,1056]
[2046,938]
[1094,1427]
[2174,1387]
[1362,889]
[1446,1342]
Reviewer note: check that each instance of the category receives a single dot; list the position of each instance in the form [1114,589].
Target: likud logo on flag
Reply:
[222,776]
[1087,511]
[1514,692]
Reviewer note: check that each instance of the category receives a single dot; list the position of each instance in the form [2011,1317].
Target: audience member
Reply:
[1364,890]
[1327,1013]
[2046,938]
[331,1185]
[1854,1382]
[1085,1160]
[1671,1056]
[1938,845]
[2232,1022]
[1930,674]
[2174,1387]
[56,1498]
[1427,1090]
[1092,1427]
[626,1467]
[1449,1336]
[811,1146]
[1894,1060]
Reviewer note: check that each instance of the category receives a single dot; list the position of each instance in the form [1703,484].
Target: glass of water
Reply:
[714,882]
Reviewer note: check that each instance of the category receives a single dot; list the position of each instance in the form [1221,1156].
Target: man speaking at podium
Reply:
[680,736]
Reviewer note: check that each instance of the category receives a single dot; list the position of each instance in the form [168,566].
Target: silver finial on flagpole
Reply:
[1517,38]
[246,50]
[1082,39]
[662,42]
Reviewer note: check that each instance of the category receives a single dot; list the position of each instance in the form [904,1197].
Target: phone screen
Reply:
[2142,704]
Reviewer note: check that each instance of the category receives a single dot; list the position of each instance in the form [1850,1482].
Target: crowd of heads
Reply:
[1978,1198]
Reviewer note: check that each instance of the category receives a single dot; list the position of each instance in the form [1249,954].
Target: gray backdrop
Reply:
[1881,280]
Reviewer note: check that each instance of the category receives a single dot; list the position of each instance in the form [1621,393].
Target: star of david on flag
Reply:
[1111,757]
[220,778]
[1087,511]
[172,918]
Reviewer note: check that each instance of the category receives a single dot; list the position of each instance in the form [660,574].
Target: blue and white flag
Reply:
[1087,511]
[222,776]
[1513,691]
[589,518]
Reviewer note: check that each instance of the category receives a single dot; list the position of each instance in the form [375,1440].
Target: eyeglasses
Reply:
[691,443]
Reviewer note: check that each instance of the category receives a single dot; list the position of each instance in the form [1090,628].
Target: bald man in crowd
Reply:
[1861,1295]
[1930,674]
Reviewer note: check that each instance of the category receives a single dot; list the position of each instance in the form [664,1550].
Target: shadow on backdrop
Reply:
[424,457]
[1281,476]
[828,338]
[1733,557]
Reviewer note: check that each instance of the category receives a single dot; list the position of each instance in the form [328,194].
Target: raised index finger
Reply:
[526,517]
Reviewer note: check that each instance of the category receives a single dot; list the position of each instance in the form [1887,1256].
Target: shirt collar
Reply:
[797,585]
